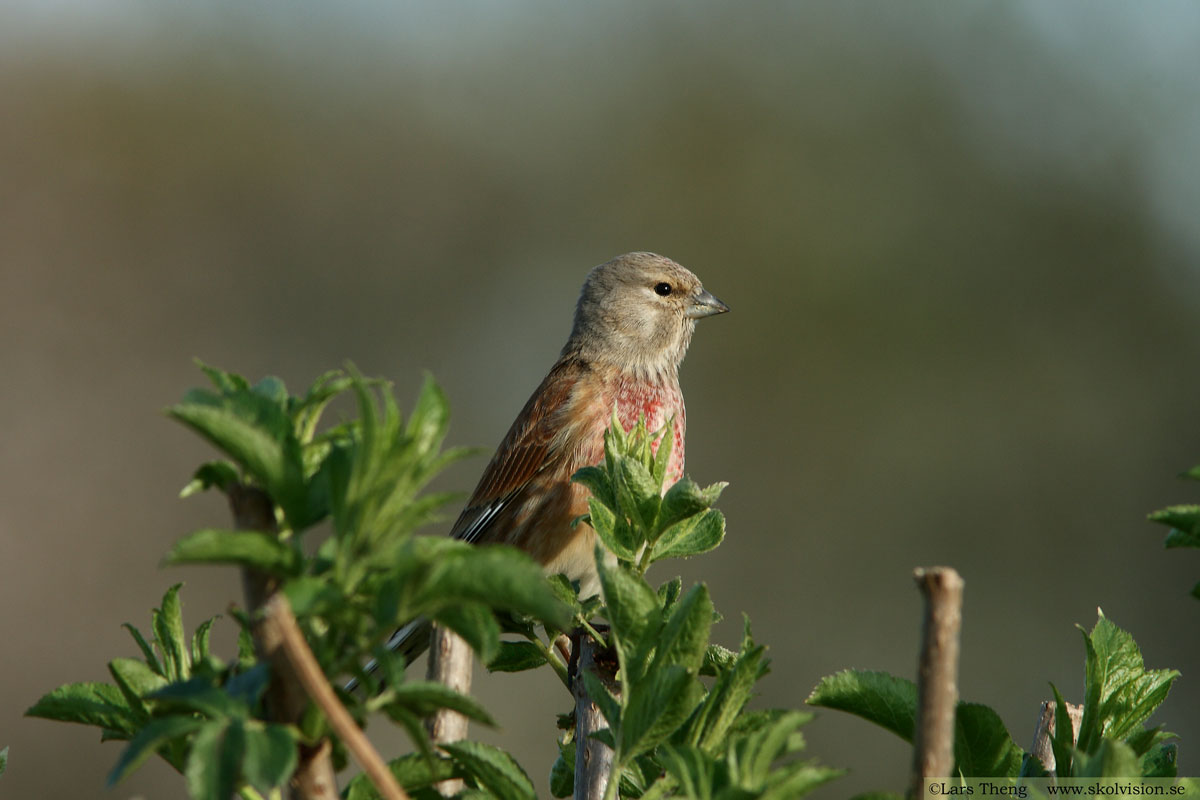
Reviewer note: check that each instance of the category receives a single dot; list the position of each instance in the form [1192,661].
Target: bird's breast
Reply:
[657,403]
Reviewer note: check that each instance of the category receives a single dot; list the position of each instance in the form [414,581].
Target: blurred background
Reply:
[960,243]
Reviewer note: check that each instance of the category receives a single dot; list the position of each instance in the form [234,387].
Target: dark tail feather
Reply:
[410,641]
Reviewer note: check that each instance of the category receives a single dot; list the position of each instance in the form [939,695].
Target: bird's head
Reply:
[638,312]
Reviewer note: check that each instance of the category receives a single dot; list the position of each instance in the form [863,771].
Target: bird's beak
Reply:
[704,304]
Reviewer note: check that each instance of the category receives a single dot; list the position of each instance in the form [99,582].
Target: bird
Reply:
[633,323]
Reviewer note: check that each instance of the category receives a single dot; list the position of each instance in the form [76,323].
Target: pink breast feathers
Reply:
[657,403]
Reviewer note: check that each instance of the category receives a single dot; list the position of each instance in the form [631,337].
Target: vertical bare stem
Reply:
[286,700]
[450,664]
[593,759]
[1045,731]
[937,675]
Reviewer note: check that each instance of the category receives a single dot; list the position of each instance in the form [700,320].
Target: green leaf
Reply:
[168,631]
[3,759]
[878,697]
[213,474]
[662,456]
[716,659]
[148,740]
[766,744]
[1062,743]
[685,636]
[135,679]
[311,596]
[423,698]
[1178,538]
[517,657]
[199,695]
[200,648]
[99,704]
[609,706]
[1120,692]
[685,499]
[256,446]
[213,763]
[597,482]
[562,773]
[306,412]
[271,755]
[144,646]
[631,605]
[637,494]
[1160,761]
[1112,759]
[983,747]
[492,769]
[253,549]
[1184,522]
[668,595]
[692,769]
[691,537]
[613,531]
[797,779]
[475,623]
[1183,516]
[430,416]
[497,576]
[566,593]
[413,771]
[655,708]
[273,389]
[709,725]
[1145,738]
[225,381]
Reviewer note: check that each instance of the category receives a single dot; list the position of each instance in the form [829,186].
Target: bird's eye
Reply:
[662,289]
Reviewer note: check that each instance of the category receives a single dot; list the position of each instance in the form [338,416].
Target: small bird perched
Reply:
[633,323]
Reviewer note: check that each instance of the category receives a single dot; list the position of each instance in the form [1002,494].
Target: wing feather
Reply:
[530,446]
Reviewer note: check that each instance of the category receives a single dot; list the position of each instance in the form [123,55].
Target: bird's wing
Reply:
[529,447]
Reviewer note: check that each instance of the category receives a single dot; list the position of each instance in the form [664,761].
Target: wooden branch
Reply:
[280,623]
[1045,731]
[593,758]
[937,676]
[450,664]
[286,700]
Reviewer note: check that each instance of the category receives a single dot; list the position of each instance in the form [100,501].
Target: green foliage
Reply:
[183,703]
[672,735]
[366,477]
[1120,694]
[982,745]
[1184,522]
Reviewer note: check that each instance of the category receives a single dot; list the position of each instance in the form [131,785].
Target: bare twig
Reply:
[450,664]
[937,676]
[1044,731]
[593,758]
[279,621]
[286,700]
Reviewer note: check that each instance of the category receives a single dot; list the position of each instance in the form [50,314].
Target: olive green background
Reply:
[959,242]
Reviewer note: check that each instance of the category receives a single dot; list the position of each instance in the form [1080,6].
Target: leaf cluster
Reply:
[366,478]
[1184,522]
[1119,695]
[673,734]
[182,702]
[632,516]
